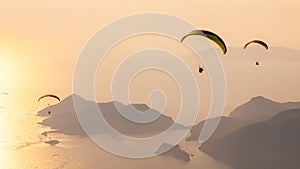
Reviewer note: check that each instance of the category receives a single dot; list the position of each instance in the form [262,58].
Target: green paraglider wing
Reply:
[258,42]
[49,95]
[4,93]
[210,35]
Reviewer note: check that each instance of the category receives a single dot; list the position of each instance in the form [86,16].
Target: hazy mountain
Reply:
[260,109]
[256,110]
[252,145]
[270,144]
[226,126]
[63,118]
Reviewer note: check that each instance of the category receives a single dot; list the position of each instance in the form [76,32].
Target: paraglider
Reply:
[4,93]
[262,43]
[210,35]
[50,96]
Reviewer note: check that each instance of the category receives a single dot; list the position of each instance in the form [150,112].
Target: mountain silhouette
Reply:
[260,109]
[63,119]
[226,126]
[270,144]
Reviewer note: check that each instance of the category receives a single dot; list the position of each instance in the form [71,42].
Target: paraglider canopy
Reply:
[257,42]
[49,95]
[210,35]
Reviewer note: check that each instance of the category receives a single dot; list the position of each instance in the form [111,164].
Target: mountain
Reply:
[270,144]
[63,119]
[256,110]
[226,126]
[260,109]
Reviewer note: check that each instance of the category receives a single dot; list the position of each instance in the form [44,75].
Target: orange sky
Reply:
[40,40]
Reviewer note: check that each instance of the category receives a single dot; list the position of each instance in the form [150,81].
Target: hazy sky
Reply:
[40,40]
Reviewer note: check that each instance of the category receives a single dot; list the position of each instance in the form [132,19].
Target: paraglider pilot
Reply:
[201,69]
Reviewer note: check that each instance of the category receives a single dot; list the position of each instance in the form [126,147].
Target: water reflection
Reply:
[22,145]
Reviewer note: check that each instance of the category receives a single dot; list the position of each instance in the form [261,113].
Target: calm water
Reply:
[23,146]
